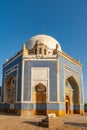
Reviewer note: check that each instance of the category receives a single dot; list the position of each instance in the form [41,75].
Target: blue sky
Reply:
[65,20]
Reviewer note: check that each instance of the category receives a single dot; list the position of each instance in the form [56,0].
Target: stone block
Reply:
[51,121]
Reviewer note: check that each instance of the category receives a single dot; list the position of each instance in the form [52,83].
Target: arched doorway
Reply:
[40,90]
[67,101]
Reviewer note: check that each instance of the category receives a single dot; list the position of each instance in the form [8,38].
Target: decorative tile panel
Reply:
[52,77]
[6,70]
[68,69]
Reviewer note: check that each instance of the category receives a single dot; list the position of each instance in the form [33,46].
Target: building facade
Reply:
[42,79]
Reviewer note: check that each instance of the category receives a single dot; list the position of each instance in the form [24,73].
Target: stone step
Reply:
[43,124]
[44,120]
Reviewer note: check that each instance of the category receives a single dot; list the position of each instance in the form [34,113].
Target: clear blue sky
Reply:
[66,20]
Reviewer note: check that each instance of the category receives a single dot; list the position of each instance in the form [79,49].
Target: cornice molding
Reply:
[69,58]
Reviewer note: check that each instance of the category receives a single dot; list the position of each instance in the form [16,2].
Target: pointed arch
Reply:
[40,87]
[10,89]
[40,99]
[75,88]
[75,94]
[71,78]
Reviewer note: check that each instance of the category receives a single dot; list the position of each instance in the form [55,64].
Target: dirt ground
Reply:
[70,122]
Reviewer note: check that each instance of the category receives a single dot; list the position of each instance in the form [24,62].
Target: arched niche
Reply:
[10,90]
[40,99]
[75,94]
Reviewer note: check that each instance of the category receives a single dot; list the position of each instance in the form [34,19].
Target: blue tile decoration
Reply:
[63,61]
[32,106]
[17,61]
[51,64]
[27,78]
[18,106]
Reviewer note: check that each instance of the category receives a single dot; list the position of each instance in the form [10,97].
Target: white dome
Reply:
[49,41]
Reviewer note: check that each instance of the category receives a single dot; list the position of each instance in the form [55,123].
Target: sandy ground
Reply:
[70,122]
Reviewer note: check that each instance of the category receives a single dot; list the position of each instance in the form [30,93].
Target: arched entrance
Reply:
[74,99]
[10,93]
[67,101]
[40,90]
